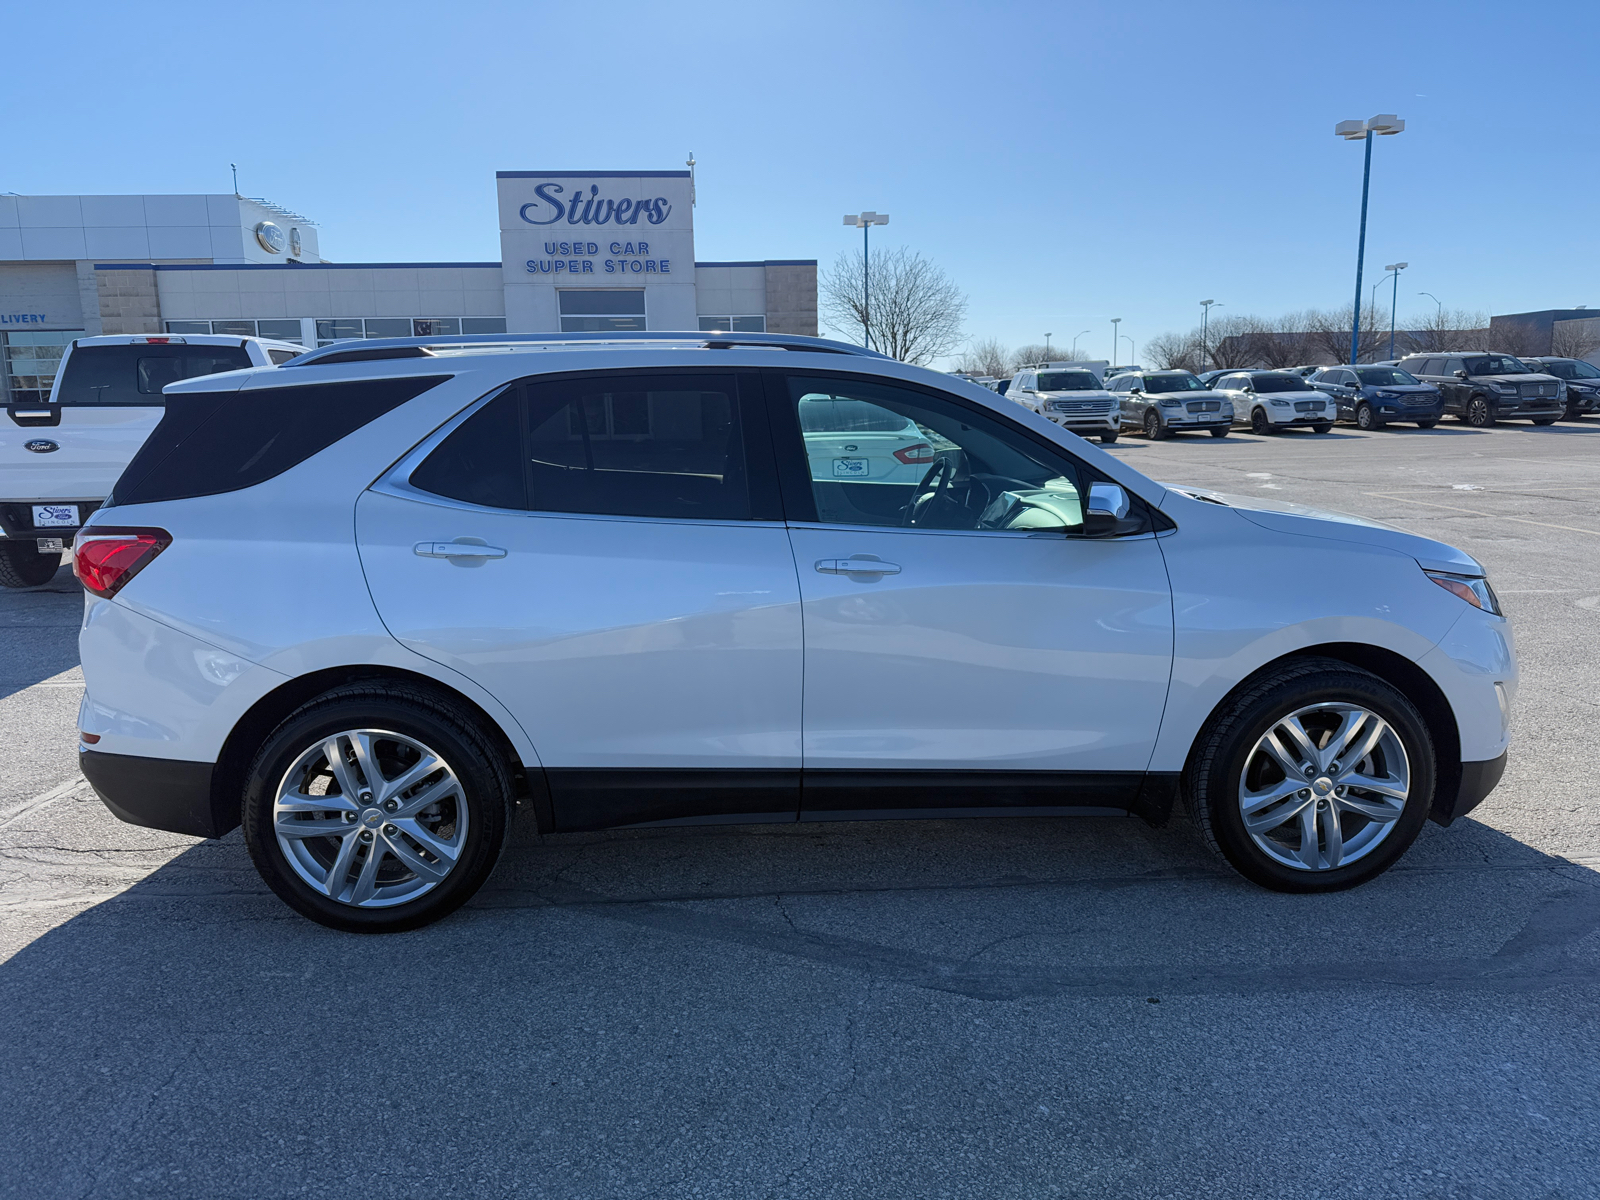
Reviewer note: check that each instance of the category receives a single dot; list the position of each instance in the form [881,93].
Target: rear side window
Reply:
[279,357]
[213,442]
[136,374]
[609,445]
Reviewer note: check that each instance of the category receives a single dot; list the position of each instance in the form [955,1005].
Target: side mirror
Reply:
[1460,374]
[1136,390]
[1108,505]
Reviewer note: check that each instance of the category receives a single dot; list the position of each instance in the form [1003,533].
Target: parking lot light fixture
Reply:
[1047,338]
[864,222]
[1382,125]
[1205,327]
[1436,300]
[1075,337]
[1116,339]
[1394,301]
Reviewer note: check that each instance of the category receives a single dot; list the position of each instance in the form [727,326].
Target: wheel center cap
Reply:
[371,817]
[1322,786]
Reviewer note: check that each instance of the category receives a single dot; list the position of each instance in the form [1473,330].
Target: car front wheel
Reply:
[1315,778]
[1259,423]
[374,809]
[1153,428]
[1428,424]
[1365,417]
[1220,431]
[1107,438]
[1479,413]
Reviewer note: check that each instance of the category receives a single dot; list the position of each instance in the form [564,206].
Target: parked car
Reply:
[1481,389]
[372,602]
[1305,372]
[1161,403]
[1073,399]
[59,459]
[1003,386]
[1210,377]
[1374,396]
[1582,380]
[1269,401]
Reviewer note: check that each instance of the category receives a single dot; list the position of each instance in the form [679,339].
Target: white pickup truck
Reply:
[59,459]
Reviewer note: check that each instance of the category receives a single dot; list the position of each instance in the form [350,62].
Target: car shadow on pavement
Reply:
[40,626]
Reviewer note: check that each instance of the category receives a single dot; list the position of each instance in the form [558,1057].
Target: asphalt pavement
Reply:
[978,1008]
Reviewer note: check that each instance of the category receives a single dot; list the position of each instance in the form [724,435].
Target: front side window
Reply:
[922,461]
[1068,381]
[1385,377]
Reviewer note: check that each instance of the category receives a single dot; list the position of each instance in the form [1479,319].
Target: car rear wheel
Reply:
[1428,424]
[1153,428]
[1259,424]
[1479,413]
[377,809]
[1314,778]
[22,566]
[1324,427]
[1220,431]
[1544,420]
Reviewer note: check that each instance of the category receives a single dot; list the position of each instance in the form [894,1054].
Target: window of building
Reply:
[31,360]
[340,329]
[601,312]
[483,324]
[278,330]
[733,324]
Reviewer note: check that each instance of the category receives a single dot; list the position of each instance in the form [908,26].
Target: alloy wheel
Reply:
[1478,412]
[1324,786]
[1259,424]
[370,818]
[1364,416]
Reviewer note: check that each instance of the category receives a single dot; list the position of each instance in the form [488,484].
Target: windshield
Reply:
[1497,364]
[1385,376]
[1173,383]
[1068,381]
[1281,383]
[1570,370]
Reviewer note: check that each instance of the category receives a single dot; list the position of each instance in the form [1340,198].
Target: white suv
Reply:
[371,602]
[59,459]
[1074,398]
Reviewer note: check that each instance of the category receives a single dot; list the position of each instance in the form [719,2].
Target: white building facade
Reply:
[580,251]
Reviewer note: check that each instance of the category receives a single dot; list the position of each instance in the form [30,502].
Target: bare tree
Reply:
[1037,352]
[915,310]
[1233,341]
[1447,329]
[1575,339]
[1176,351]
[987,356]
[1328,334]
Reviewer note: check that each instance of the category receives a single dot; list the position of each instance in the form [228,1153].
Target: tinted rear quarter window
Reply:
[209,443]
[135,374]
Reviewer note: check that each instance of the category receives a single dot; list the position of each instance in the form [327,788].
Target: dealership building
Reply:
[580,251]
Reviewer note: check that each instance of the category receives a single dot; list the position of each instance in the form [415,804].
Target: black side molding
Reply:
[1478,779]
[158,793]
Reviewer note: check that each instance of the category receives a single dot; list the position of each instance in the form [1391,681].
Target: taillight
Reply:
[105,559]
[920,453]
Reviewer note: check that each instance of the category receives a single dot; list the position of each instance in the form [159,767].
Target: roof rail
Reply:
[372,349]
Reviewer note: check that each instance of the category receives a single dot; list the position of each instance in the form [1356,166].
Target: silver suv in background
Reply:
[58,459]
[1161,403]
[1072,397]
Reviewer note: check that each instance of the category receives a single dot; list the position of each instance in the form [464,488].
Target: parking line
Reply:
[1475,513]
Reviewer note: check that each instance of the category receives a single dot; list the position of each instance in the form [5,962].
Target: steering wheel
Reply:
[936,485]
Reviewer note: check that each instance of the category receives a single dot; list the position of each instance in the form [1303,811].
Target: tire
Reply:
[1323,428]
[1479,413]
[1428,424]
[1260,425]
[1228,761]
[1220,431]
[1366,418]
[472,785]
[1545,420]
[1153,428]
[24,567]
[1107,438]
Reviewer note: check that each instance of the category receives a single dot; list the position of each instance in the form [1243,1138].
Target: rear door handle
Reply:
[457,550]
[859,564]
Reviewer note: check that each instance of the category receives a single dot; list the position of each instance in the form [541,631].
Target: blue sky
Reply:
[1065,163]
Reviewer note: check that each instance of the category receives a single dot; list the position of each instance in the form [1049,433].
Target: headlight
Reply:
[1172,404]
[1474,589]
[1280,403]
[1505,387]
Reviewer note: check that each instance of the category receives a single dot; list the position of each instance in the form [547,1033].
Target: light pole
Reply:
[1074,350]
[1205,327]
[1394,301]
[1133,350]
[1362,131]
[1116,338]
[1436,300]
[1047,338]
[864,222]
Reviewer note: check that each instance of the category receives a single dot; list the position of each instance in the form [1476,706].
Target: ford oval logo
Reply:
[41,446]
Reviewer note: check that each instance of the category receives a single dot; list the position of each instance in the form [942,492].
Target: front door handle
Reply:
[864,566]
[457,550]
